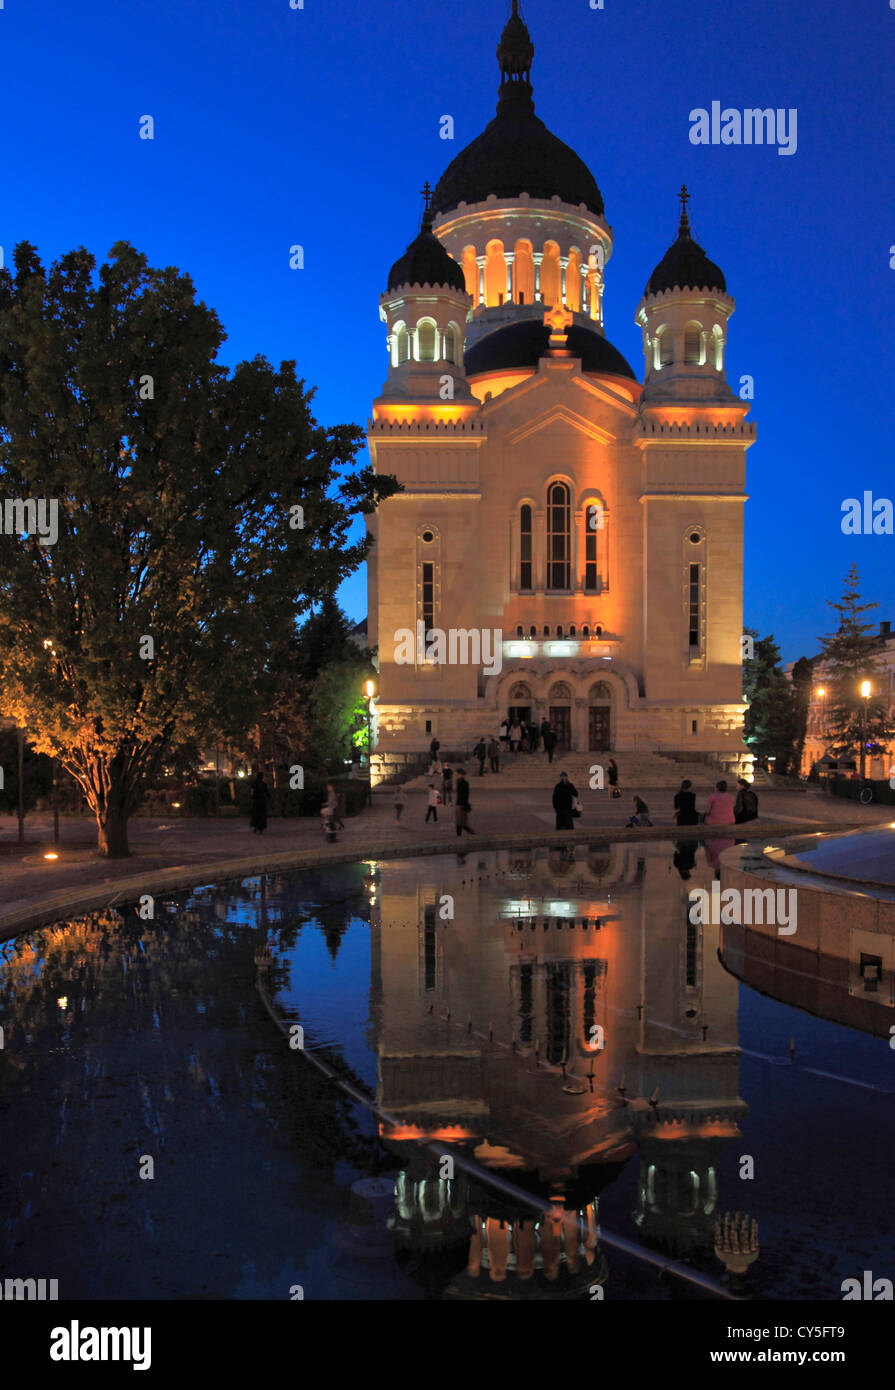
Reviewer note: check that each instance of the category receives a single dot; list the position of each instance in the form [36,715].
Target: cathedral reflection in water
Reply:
[550,1014]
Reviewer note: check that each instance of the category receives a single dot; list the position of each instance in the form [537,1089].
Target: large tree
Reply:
[771,723]
[849,657]
[199,513]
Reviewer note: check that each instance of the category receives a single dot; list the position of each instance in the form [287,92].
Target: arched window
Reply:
[451,342]
[573,630]
[495,274]
[426,339]
[551,275]
[471,272]
[585,631]
[525,545]
[402,349]
[523,273]
[717,349]
[558,536]
[664,347]
[532,631]
[519,631]
[559,629]
[593,525]
[693,344]
[573,281]
[546,630]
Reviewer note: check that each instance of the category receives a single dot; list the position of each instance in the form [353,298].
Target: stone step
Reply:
[524,771]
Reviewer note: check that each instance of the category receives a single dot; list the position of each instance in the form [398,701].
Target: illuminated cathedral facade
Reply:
[568,543]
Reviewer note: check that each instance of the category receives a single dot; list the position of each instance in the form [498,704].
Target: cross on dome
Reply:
[558,319]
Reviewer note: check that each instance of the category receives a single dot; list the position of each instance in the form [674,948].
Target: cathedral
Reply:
[568,543]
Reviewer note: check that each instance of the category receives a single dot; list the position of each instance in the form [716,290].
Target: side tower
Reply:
[424,432]
[693,437]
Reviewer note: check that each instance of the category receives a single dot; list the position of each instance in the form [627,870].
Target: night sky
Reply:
[318,126]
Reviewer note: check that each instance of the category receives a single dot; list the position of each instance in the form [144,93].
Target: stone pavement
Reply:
[185,852]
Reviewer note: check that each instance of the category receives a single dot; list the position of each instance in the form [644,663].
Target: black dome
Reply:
[685,265]
[516,153]
[426,262]
[524,344]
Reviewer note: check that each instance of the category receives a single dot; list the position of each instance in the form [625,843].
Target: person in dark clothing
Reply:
[746,805]
[462,808]
[641,813]
[549,743]
[260,798]
[565,794]
[685,812]
[612,773]
[480,753]
[685,857]
[534,736]
[494,755]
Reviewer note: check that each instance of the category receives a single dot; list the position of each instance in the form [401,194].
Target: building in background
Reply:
[574,534]
[818,736]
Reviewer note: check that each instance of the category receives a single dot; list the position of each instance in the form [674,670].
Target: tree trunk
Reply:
[112,834]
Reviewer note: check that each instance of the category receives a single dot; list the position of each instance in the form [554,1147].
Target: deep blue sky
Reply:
[319,126]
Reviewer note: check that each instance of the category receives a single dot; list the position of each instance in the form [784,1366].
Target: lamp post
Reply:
[865,692]
[370,691]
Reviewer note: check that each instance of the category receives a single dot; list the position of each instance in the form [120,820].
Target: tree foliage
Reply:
[181,562]
[849,657]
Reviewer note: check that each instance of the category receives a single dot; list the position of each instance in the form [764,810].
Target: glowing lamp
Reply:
[865,689]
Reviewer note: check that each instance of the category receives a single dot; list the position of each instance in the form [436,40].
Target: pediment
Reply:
[560,415]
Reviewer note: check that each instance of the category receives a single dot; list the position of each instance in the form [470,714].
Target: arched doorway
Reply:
[520,703]
[599,718]
[560,715]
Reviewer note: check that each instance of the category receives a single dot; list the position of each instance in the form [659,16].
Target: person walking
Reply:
[549,743]
[641,813]
[719,807]
[400,801]
[433,750]
[534,736]
[612,773]
[447,786]
[260,798]
[565,794]
[462,808]
[479,753]
[432,799]
[503,732]
[746,805]
[515,736]
[494,755]
[685,812]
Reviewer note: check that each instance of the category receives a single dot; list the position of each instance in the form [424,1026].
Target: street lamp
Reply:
[865,692]
[370,691]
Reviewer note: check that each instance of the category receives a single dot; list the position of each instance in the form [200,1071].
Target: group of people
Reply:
[721,808]
[515,736]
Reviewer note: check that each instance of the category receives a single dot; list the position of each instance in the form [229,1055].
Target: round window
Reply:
[428,536]
[695,537]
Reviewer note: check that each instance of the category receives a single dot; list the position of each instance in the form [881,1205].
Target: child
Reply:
[641,813]
[434,799]
[447,783]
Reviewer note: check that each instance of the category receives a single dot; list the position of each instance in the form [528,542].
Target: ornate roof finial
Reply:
[426,192]
[685,198]
[515,53]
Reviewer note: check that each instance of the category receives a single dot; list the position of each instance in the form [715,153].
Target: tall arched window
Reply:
[525,581]
[693,344]
[523,273]
[451,343]
[495,274]
[664,347]
[426,339]
[402,347]
[593,525]
[558,536]
[551,275]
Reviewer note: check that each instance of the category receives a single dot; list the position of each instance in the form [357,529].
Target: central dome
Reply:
[516,153]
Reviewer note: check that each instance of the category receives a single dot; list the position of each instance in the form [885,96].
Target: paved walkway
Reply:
[180,852]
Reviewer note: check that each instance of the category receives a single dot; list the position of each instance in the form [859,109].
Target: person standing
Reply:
[504,731]
[565,795]
[400,801]
[447,785]
[260,798]
[462,809]
[612,772]
[494,755]
[433,750]
[549,743]
[479,753]
[432,807]
[534,736]
[685,812]
[719,807]
[515,736]
[746,805]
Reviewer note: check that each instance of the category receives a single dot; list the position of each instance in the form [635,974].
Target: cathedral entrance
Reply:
[560,715]
[599,739]
[598,729]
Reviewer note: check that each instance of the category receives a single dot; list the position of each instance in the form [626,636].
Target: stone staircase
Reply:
[637,771]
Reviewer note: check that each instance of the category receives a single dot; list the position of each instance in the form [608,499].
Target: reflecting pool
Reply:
[618,1085]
